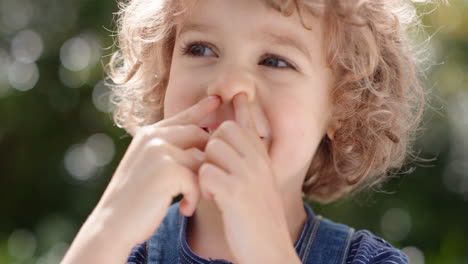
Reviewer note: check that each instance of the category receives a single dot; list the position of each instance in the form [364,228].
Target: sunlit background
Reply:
[59,146]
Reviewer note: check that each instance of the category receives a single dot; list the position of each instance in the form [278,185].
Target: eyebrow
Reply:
[195,27]
[265,35]
[284,40]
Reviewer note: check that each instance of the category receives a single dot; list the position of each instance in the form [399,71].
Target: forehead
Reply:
[253,11]
[254,20]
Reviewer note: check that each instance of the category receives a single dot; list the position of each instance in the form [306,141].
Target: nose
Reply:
[231,82]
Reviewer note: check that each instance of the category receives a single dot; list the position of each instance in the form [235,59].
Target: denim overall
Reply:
[324,241]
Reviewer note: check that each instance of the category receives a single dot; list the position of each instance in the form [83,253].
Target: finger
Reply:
[188,187]
[195,113]
[190,199]
[196,157]
[183,181]
[185,137]
[213,181]
[231,133]
[190,159]
[222,155]
[242,112]
[182,136]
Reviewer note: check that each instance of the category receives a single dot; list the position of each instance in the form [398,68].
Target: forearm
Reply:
[97,242]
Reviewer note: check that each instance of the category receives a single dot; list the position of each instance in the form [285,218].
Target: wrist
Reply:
[94,241]
[104,225]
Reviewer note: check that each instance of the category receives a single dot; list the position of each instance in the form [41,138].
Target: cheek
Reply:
[180,92]
[297,131]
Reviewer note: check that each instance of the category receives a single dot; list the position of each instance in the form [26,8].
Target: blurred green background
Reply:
[59,146]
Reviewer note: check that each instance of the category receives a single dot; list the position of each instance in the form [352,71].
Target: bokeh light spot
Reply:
[79,161]
[23,76]
[101,97]
[395,224]
[103,147]
[21,244]
[15,15]
[75,54]
[82,160]
[27,46]
[415,255]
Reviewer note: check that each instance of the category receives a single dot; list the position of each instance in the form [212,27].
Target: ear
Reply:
[332,127]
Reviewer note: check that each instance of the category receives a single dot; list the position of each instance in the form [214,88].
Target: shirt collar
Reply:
[187,256]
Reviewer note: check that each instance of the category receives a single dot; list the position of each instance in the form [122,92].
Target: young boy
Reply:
[245,108]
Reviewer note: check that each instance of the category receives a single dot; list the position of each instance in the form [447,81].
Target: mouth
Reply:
[207,130]
[210,131]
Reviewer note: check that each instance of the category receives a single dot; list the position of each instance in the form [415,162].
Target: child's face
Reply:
[234,49]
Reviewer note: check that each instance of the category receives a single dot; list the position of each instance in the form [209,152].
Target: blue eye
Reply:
[275,62]
[197,50]
[200,49]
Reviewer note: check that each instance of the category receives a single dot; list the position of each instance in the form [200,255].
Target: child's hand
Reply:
[238,175]
[161,162]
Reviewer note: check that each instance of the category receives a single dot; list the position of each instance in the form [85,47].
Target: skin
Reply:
[256,197]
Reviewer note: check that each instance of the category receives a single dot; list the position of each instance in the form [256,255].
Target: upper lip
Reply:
[213,126]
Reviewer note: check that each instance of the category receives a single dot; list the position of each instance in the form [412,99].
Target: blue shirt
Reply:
[365,248]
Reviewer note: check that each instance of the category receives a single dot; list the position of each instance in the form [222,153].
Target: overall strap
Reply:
[328,242]
[162,247]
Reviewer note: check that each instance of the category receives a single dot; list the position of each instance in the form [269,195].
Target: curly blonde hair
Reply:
[376,90]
